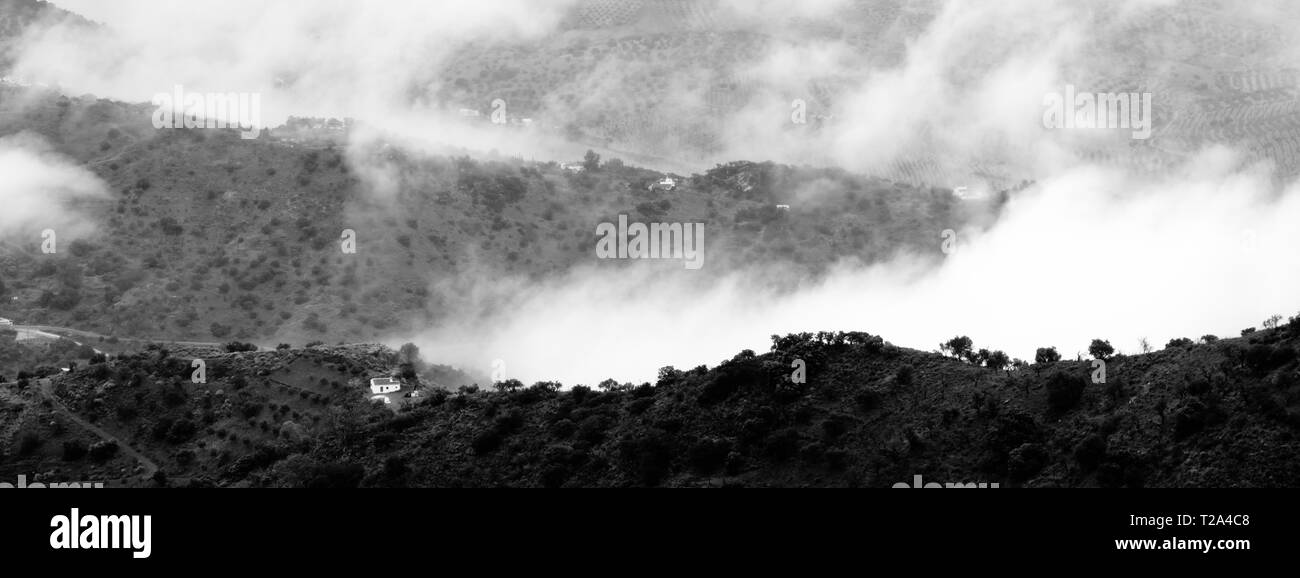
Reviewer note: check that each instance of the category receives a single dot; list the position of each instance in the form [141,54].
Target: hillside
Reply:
[204,236]
[19,16]
[1221,413]
[671,78]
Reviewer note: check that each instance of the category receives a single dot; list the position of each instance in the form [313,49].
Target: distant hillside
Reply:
[207,237]
[1215,414]
[18,16]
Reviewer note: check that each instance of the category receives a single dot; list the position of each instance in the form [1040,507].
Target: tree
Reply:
[1047,355]
[591,162]
[1145,345]
[959,347]
[998,360]
[1180,342]
[1272,322]
[409,354]
[237,347]
[510,385]
[1101,349]
[667,375]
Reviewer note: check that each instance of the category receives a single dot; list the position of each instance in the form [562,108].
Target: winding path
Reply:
[46,389]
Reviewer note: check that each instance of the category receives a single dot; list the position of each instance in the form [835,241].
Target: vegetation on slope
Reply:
[1216,413]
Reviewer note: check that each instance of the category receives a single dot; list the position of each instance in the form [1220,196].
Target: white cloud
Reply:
[39,191]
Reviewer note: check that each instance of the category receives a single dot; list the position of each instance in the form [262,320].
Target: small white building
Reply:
[382,398]
[783,207]
[968,194]
[5,322]
[384,385]
[665,184]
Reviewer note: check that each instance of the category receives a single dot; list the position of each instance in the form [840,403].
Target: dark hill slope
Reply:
[1225,413]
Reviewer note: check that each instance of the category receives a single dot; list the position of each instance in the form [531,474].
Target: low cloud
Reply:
[1090,253]
[40,189]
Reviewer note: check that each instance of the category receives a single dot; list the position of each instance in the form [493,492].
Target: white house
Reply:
[5,322]
[783,207]
[967,194]
[665,184]
[384,385]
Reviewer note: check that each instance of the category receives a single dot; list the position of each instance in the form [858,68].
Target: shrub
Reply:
[486,441]
[728,378]
[1259,357]
[181,431]
[639,406]
[1190,420]
[1064,391]
[1009,432]
[564,428]
[218,330]
[579,393]
[74,450]
[1180,342]
[708,454]
[1026,461]
[237,347]
[592,429]
[1090,452]
[103,451]
[647,458]
[904,375]
[868,399]
[783,444]
[28,443]
[1282,355]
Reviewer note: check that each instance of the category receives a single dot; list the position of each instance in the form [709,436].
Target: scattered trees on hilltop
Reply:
[1047,355]
[959,347]
[1101,349]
